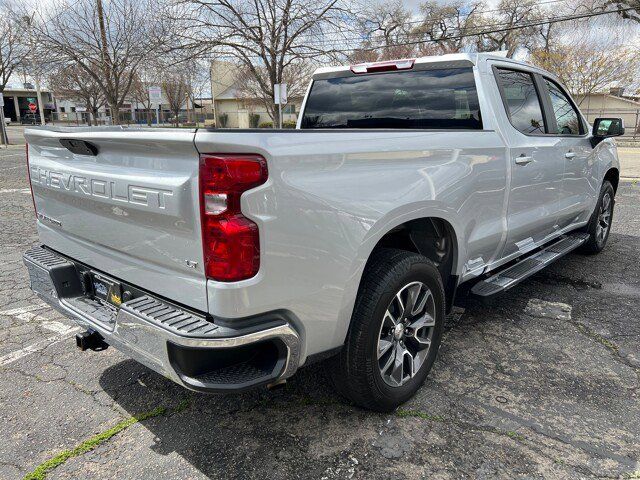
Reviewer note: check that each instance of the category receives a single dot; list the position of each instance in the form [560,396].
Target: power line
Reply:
[477,33]
[506,29]
[548,21]
[447,17]
[414,34]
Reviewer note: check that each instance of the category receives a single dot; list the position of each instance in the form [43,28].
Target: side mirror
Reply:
[608,127]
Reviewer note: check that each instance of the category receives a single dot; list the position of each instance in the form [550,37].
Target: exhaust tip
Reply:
[278,384]
[89,340]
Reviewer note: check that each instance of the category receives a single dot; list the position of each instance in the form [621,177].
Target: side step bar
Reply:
[510,277]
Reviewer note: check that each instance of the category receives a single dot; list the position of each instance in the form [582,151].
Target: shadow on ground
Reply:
[542,382]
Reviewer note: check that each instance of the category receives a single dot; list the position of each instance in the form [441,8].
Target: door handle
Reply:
[523,160]
[570,154]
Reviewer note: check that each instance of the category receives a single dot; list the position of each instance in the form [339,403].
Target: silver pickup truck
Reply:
[228,259]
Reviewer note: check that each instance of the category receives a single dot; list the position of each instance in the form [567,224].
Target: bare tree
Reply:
[296,77]
[145,77]
[630,8]
[13,47]
[175,88]
[108,39]
[511,18]
[447,26]
[586,67]
[70,82]
[386,25]
[266,37]
[198,78]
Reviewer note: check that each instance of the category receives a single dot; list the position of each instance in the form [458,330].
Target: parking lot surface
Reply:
[541,383]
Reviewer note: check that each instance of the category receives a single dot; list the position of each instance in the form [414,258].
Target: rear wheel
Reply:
[599,225]
[395,331]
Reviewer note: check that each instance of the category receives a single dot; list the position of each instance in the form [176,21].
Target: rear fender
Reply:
[386,224]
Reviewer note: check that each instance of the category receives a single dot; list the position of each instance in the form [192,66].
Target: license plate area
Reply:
[106,289]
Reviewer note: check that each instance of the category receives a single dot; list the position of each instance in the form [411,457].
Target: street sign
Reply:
[33,107]
[155,94]
[1,100]
[280,93]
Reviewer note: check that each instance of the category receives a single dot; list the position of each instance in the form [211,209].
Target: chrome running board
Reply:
[527,266]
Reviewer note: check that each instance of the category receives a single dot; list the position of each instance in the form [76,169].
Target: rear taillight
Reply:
[231,242]
[33,199]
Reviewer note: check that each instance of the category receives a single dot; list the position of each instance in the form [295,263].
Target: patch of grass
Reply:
[182,406]
[598,338]
[515,435]
[419,414]
[310,401]
[632,475]
[41,471]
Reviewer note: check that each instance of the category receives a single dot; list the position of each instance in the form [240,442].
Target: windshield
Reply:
[431,99]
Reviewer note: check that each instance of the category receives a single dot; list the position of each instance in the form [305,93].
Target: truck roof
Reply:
[472,58]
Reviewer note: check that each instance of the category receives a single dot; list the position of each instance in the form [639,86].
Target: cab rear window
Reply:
[423,99]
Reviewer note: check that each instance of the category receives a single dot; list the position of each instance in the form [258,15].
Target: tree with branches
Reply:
[446,25]
[586,67]
[249,89]
[176,89]
[14,48]
[386,25]
[145,77]
[108,39]
[70,82]
[630,9]
[509,14]
[266,37]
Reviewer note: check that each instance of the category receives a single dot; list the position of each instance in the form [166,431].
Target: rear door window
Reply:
[521,101]
[424,99]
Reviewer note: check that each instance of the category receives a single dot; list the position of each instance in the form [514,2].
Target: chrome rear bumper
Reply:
[183,345]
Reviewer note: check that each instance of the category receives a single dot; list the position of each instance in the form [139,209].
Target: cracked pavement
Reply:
[540,383]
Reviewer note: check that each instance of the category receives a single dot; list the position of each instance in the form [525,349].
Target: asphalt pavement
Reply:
[541,383]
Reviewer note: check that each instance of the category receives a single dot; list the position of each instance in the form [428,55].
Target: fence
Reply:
[78,119]
[630,116]
[248,119]
[242,119]
[139,117]
[229,119]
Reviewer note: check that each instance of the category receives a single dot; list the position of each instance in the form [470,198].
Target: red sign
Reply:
[33,107]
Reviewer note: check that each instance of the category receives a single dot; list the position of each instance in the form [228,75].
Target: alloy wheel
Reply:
[406,332]
[604,218]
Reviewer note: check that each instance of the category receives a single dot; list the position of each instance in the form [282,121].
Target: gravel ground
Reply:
[541,383]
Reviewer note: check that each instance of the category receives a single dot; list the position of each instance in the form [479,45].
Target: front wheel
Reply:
[395,331]
[599,225]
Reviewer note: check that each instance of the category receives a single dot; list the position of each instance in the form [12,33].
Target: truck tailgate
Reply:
[130,210]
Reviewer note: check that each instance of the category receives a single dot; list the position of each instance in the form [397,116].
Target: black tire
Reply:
[356,371]
[597,241]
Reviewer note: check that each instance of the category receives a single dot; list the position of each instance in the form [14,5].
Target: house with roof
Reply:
[233,109]
[613,103]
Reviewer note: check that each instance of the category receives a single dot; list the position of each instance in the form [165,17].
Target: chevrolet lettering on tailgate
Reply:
[134,194]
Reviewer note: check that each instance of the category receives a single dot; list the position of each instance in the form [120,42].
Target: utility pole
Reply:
[40,104]
[106,67]
[213,96]
[36,75]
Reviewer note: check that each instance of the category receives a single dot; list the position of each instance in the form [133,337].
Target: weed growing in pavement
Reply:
[41,471]
[419,414]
